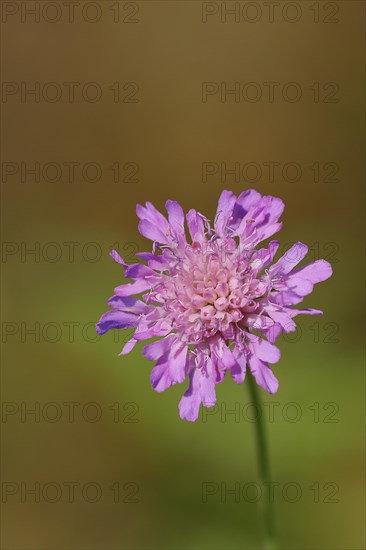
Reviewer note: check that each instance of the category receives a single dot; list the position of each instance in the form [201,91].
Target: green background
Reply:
[169,133]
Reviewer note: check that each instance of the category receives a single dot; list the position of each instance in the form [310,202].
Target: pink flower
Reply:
[215,301]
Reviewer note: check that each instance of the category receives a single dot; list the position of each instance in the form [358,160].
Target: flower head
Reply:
[216,301]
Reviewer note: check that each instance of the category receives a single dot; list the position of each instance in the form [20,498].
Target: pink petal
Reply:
[153,232]
[128,346]
[176,219]
[316,272]
[116,319]
[224,211]
[117,258]
[170,369]
[152,215]
[265,351]
[132,288]
[201,390]
[289,260]
[263,374]
[195,226]
[156,349]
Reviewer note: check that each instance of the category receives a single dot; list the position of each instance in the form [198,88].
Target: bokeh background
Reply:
[137,470]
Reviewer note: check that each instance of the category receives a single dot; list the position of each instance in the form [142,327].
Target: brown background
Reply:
[169,133]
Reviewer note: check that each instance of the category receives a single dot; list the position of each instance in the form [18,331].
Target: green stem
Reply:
[263,467]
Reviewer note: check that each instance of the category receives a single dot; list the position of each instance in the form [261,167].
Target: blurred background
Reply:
[108,104]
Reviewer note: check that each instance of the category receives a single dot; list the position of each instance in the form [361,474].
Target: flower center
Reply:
[209,290]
